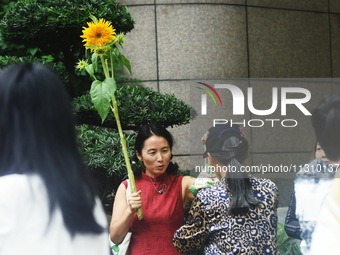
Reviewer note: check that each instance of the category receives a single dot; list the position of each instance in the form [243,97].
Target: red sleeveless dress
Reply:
[163,214]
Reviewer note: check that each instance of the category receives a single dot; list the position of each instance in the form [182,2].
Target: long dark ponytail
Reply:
[228,146]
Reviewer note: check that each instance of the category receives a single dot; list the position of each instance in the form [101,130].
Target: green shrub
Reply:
[102,149]
[50,24]
[137,104]
[57,67]
[4,6]
[287,245]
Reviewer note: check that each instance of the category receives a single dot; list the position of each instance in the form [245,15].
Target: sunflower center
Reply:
[98,35]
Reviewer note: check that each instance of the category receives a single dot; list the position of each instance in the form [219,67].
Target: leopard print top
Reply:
[210,226]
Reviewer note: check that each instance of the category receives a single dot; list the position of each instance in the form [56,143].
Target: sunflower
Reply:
[98,33]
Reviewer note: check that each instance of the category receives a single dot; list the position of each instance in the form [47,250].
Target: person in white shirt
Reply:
[314,181]
[326,122]
[47,205]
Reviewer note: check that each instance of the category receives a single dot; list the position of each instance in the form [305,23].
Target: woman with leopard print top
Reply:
[236,215]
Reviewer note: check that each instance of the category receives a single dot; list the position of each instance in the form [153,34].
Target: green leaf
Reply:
[125,62]
[47,58]
[33,51]
[94,60]
[89,69]
[111,86]
[94,19]
[101,93]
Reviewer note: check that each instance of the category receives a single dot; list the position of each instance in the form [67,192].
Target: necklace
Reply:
[163,188]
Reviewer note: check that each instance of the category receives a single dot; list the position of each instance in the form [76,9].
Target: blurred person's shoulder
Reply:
[14,181]
[22,185]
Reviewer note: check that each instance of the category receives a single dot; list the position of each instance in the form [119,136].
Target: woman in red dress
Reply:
[162,195]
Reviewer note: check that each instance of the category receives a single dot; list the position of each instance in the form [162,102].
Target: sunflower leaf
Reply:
[125,62]
[101,93]
[89,69]
[111,86]
[94,60]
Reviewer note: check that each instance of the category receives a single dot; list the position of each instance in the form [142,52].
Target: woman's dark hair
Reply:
[37,136]
[228,146]
[145,131]
[326,124]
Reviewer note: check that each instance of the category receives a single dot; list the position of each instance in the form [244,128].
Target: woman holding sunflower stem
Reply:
[162,193]
[101,39]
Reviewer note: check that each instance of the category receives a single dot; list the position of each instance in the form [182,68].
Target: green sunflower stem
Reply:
[111,61]
[105,67]
[125,152]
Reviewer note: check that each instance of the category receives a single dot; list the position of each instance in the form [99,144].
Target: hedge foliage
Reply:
[137,104]
[51,24]
[57,67]
[102,150]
